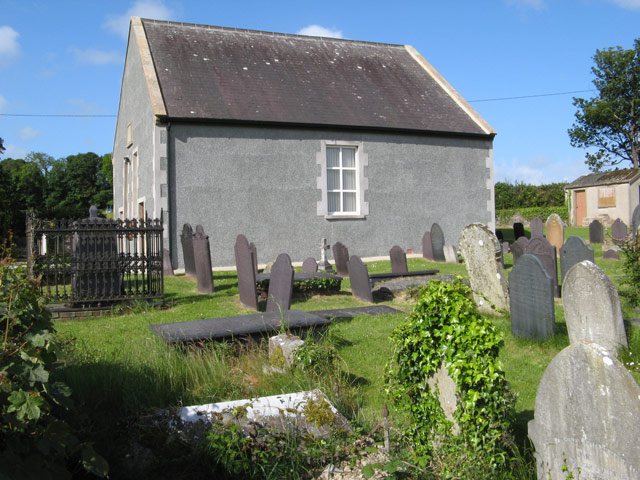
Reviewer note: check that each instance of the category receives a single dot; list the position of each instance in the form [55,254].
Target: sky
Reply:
[61,63]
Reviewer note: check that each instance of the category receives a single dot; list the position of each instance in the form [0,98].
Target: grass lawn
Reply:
[119,371]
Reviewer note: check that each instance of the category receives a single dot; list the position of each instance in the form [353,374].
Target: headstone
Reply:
[592,307]
[537,227]
[518,248]
[442,385]
[611,255]
[574,250]
[282,349]
[518,230]
[635,220]
[167,268]
[531,299]
[505,247]
[596,232]
[359,278]
[437,243]
[450,253]
[619,232]
[587,413]
[427,250]
[202,257]
[186,239]
[546,253]
[246,273]
[324,264]
[310,265]
[398,260]
[478,246]
[555,230]
[499,236]
[341,257]
[254,254]
[280,284]
[267,267]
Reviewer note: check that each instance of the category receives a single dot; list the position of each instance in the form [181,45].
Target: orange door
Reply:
[581,207]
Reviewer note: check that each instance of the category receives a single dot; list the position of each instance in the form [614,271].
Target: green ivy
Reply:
[631,281]
[446,329]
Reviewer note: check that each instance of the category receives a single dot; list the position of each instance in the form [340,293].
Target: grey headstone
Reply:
[499,236]
[518,230]
[611,255]
[592,307]
[427,250]
[555,230]
[437,243]
[254,255]
[518,248]
[596,232]
[287,344]
[341,257]
[531,299]
[541,248]
[619,232]
[537,227]
[167,268]
[186,239]
[479,247]
[505,247]
[246,273]
[635,220]
[310,265]
[359,277]
[450,253]
[574,250]
[323,264]
[587,415]
[398,260]
[280,284]
[202,257]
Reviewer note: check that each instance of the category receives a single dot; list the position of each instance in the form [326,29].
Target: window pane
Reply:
[349,157]
[349,202]
[349,179]
[334,201]
[333,179]
[333,157]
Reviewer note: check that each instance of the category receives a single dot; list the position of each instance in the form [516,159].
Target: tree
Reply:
[609,122]
[2,149]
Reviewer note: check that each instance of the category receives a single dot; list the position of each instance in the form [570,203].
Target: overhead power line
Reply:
[72,115]
[530,96]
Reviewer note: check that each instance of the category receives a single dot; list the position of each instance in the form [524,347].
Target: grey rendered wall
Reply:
[262,182]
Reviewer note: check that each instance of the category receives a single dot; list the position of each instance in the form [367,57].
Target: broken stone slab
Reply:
[442,385]
[396,285]
[282,349]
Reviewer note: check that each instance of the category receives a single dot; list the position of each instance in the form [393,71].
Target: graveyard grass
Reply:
[120,372]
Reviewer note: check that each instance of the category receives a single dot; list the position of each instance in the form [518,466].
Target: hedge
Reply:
[503,217]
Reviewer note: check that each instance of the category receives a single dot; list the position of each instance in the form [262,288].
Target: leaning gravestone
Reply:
[611,255]
[341,257]
[635,220]
[167,268]
[202,257]
[280,284]
[518,230]
[619,232]
[531,299]
[541,248]
[592,307]
[537,227]
[478,246]
[310,265]
[186,239]
[518,248]
[437,243]
[555,230]
[596,232]
[587,414]
[246,273]
[450,253]
[574,250]
[359,277]
[398,260]
[427,251]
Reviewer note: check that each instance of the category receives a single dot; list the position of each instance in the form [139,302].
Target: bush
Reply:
[520,195]
[631,281]
[446,330]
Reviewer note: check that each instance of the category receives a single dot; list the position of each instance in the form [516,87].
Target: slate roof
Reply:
[208,73]
[626,175]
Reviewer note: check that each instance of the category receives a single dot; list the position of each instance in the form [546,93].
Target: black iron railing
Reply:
[95,260]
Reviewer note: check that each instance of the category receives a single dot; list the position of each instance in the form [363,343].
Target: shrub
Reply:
[631,281]
[445,329]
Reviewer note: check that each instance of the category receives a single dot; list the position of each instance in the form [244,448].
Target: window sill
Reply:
[344,217]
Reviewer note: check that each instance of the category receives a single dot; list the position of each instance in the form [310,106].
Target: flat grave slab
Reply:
[298,276]
[372,311]
[381,277]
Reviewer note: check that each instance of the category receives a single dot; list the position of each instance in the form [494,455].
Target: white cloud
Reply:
[9,46]
[119,24]
[14,151]
[3,103]
[628,4]
[28,133]
[318,31]
[96,57]
[527,4]
[540,170]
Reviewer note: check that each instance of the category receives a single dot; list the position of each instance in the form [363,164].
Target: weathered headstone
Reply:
[310,265]
[478,246]
[587,413]
[398,260]
[186,239]
[505,247]
[537,227]
[574,250]
[427,250]
[619,232]
[611,255]
[450,253]
[254,255]
[531,299]
[555,230]
[518,248]
[359,277]
[635,220]
[437,243]
[518,230]
[202,257]
[541,248]
[324,264]
[596,232]
[282,349]
[246,273]
[167,268]
[592,307]
[280,284]
[341,257]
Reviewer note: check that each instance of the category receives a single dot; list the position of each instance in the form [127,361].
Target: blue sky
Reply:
[66,58]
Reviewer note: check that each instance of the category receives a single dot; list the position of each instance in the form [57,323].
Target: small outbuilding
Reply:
[604,196]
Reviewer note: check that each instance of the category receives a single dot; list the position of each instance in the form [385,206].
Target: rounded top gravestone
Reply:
[596,232]
[537,227]
[555,230]
[574,251]
[437,243]
[619,232]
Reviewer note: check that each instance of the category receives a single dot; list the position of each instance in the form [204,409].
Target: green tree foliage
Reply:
[2,149]
[522,195]
[608,122]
